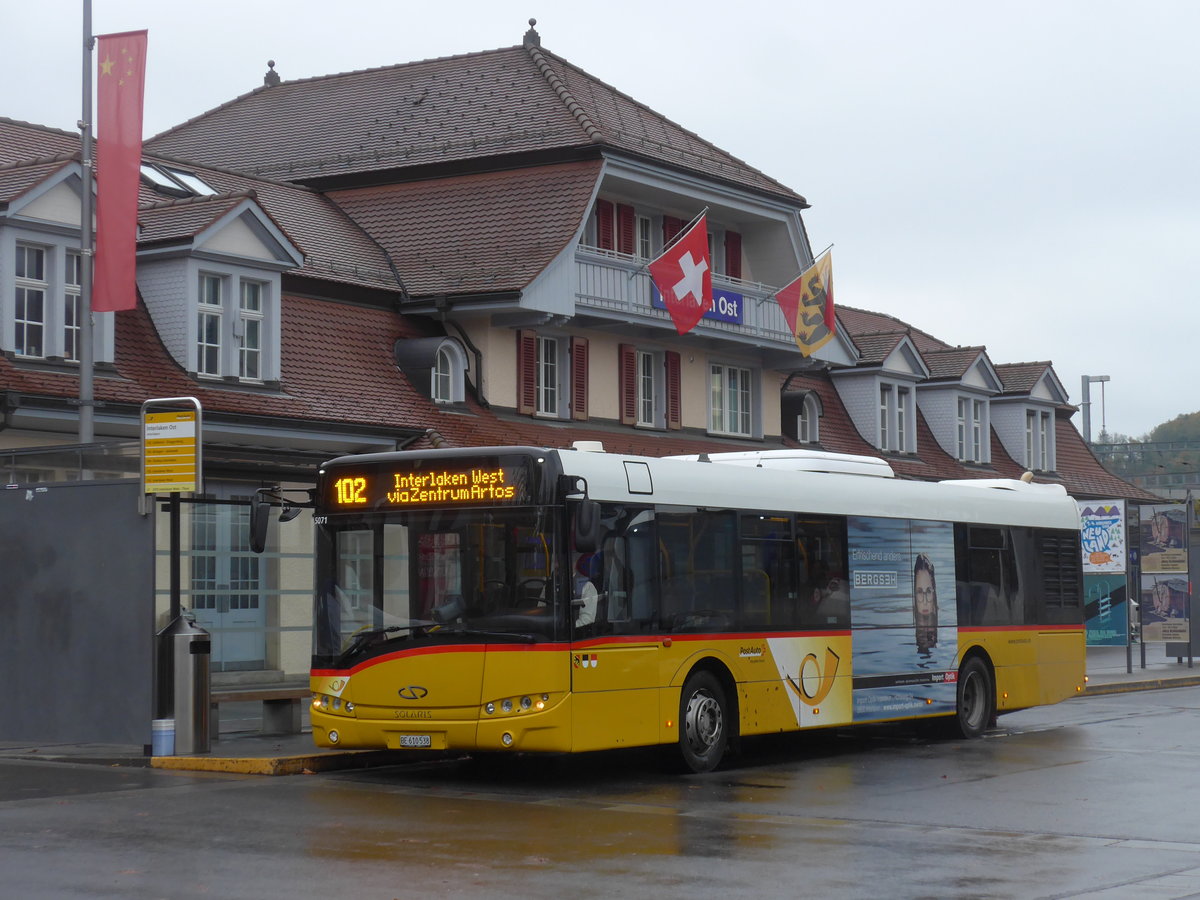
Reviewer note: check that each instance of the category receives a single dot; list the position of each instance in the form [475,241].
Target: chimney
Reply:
[272,77]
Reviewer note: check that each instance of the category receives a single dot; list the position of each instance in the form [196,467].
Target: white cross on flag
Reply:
[683,275]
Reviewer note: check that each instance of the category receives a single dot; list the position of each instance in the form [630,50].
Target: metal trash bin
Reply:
[183,651]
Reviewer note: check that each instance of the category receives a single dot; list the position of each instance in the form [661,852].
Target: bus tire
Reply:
[703,722]
[976,706]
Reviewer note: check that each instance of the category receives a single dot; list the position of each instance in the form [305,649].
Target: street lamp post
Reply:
[1086,404]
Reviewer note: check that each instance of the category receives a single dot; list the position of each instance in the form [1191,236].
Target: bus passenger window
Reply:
[824,592]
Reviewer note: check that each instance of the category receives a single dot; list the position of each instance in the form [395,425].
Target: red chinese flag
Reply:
[120,81]
[683,275]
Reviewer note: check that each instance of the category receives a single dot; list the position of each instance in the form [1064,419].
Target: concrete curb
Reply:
[1150,684]
[305,764]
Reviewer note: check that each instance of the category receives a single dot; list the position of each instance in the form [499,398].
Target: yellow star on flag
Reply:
[106,67]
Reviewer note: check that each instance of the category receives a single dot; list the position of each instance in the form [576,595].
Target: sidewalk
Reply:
[1107,670]
[250,752]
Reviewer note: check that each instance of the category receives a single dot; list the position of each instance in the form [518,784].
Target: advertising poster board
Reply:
[902,594]
[1106,610]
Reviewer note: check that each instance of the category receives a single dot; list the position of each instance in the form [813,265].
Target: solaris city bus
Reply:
[508,599]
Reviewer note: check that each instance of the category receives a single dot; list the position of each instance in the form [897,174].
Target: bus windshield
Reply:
[487,573]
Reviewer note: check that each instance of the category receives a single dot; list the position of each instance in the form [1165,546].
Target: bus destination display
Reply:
[378,488]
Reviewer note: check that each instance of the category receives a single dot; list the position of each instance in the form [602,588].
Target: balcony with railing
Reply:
[618,286]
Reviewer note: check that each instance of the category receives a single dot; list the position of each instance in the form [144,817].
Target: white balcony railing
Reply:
[619,284]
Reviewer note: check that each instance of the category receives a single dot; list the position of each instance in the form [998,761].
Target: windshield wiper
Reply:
[364,639]
[521,637]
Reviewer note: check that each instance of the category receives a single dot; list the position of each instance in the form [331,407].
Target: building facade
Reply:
[453,252]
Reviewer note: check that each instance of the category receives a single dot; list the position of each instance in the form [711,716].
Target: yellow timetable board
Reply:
[169,451]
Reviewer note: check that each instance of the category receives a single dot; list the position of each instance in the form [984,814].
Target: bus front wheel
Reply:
[703,722]
[976,699]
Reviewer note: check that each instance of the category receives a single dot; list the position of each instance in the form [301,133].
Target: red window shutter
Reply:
[674,411]
[671,227]
[625,219]
[604,225]
[733,254]
[526,372]
[579,379]
[627,383]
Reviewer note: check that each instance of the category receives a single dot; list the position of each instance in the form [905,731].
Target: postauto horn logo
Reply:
[413,692]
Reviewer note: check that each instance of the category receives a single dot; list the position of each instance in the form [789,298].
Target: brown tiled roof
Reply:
[450,110]
[24,141]
[16,180]
[874,348]
[1082,474]
[337,368]
[864,321]
[475,233]
[334,248]
[951,364]
[1021,378]
[183,218]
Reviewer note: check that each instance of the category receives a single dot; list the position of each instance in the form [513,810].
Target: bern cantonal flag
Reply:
[683,275]
[120,84]
[807,305]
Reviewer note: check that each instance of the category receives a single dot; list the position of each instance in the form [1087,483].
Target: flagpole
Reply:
[671,243]
[85,350]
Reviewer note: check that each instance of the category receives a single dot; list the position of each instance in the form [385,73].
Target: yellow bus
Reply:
[525,599]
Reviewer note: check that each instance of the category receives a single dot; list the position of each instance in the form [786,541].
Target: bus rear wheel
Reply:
[976,699]
[703,722]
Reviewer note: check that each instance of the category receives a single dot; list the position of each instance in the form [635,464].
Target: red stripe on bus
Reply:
[446,648]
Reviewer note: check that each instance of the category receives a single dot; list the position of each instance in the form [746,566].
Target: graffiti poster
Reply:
[1164,607]
[1163,537]
[1102,535]
[1106,610]
[902,596]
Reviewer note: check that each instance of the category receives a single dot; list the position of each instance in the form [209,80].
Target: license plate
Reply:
[415,740]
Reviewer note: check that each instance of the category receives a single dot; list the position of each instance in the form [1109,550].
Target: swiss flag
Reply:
[683,275]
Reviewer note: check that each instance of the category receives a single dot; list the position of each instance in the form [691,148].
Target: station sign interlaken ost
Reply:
[170,451]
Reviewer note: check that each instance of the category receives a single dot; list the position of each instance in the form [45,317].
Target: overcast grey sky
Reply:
[1020,175]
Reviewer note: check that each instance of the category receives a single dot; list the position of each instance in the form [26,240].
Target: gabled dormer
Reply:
[955,401]
[1023,414]
[880,392]
[209,271]
[40,238]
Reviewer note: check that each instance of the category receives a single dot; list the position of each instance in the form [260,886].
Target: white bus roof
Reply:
[767,481]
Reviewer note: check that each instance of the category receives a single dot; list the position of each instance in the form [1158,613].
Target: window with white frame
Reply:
[548,375]
[731,390]
[40,280]
[236,315]
[645,240]
[208,325]
[896,418]
[1039,440]
[72,308]
[448,376]
[648,388]
[250,331]
[972,430]
[32,287]
[808,422]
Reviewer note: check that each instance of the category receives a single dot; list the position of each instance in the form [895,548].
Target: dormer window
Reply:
[446,379]
[1039,440]
[972,430]
[808,422]
[231,336]
[896,419]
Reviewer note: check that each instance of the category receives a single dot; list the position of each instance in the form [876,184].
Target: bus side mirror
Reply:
[260,517]
[587,526]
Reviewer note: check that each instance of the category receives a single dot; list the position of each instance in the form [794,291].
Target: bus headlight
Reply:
[526,703]
[489,708]
[506,705]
